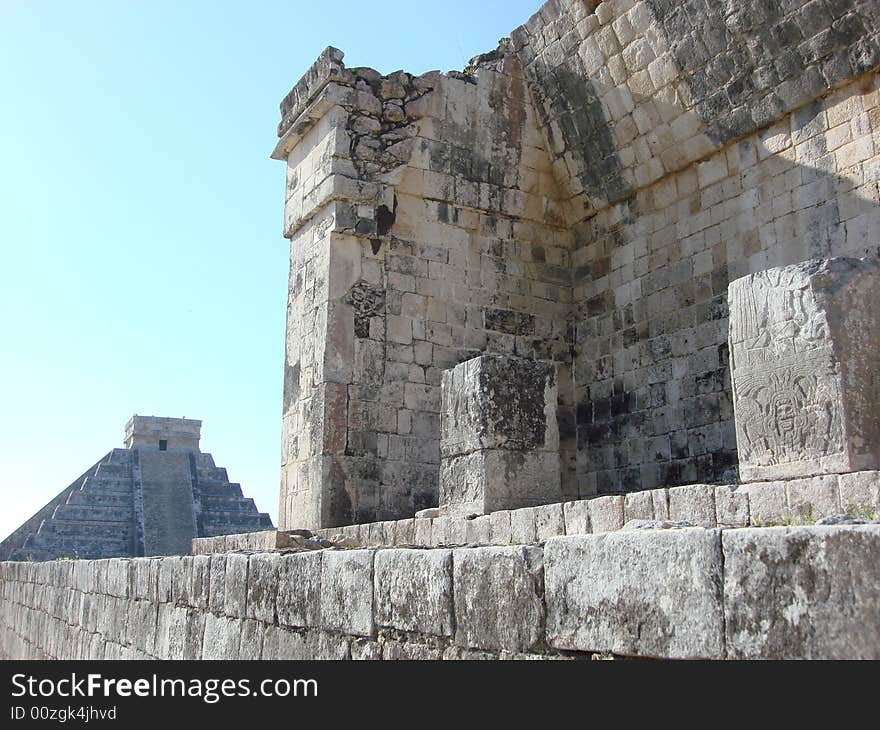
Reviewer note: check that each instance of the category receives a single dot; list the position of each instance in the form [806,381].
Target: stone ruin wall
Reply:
[725,152]
[582,195]
[660,219]
[690,593]
[376,314]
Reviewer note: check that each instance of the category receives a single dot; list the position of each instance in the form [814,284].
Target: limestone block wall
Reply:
[681,593]
[424,231]
[698,142]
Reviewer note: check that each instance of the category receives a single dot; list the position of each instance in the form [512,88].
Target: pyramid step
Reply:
[231,503]
[109,486]
[204,461]
[229,489]
[212,475]
[216,530]
[111,470]
[228,523]
[94,513]
[119,456]
[85,547]
[60,529]
[32,554]
[100,499]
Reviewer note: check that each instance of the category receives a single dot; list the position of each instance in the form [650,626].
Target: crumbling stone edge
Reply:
[759,504]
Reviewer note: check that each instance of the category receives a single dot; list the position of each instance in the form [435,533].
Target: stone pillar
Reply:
[499,443]
[345,143]
[425,227]
[805,366]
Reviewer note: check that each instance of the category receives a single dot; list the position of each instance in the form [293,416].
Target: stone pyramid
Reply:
[150,498]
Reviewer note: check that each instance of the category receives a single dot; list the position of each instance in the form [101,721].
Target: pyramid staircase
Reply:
[95,521]
[221,508]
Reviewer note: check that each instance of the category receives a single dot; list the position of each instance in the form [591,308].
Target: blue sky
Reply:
[143,268]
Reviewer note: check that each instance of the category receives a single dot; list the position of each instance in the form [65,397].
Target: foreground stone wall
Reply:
[770,592]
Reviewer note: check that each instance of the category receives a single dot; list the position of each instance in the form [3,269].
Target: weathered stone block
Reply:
[236,587]
[281,643]
[456,653]
[860,492]
[497,593]
[638,506]
[456,531]
[606,513]
[522,526]
[365,650]
[440,531]
[409,651]
[405,532]
[142,625]
[805,349]
[222,636]
[165,579]
[262,586]
[347,591]
[250,644]
[479,530]
[731,506]
[299,589]
[810,499]
[217,582]
[493,479]
[499,441]
[660,499]
[423,527]
[200,579]
[802,592]
[492,402]
[694,503]
[414,590]
[577,517]
[549,521]
[332,647]
[768,504]
[647,593]
[500,527]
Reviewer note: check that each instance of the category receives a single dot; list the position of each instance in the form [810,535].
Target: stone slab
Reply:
[497,593]
[805,349]
[802,592]
[347,591]
[414,591]
[647,593]
[485,481]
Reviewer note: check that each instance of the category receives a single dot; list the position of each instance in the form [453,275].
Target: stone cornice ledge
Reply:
[303,107]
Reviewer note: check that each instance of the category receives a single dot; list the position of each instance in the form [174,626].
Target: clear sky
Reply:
[143,268]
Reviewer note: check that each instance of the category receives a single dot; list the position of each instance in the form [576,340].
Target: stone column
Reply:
[499,443]
[345,143]
[805,366]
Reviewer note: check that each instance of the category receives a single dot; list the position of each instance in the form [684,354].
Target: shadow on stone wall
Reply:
[652,383]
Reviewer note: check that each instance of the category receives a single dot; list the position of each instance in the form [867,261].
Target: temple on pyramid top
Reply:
[164,434]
